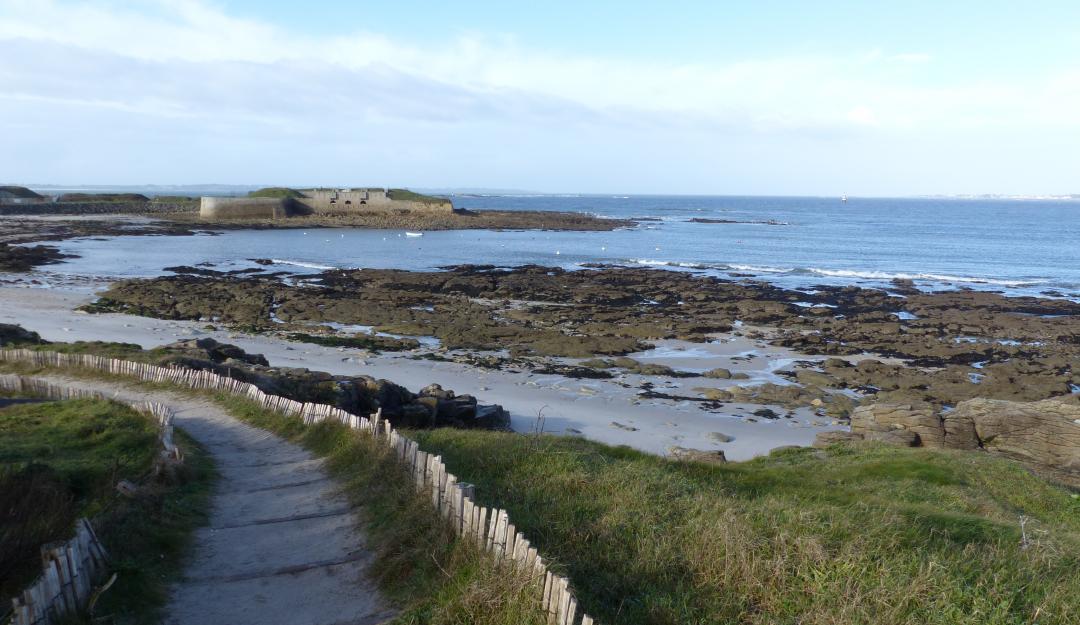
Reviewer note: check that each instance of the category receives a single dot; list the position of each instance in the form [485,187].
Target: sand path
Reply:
[283,544]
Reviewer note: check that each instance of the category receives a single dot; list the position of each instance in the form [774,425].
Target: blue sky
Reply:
[779,98]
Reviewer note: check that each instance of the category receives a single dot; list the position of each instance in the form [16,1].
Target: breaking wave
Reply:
[838,273]
[297,263]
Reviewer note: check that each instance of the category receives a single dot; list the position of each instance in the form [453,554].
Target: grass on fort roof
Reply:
[276,192]
[412,196]
[19,192]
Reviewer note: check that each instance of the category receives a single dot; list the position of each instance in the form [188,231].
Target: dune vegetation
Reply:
[61,460]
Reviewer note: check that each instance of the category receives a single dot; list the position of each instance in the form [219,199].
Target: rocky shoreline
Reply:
[415,220]
[898,346]
[27,224]
[18,233]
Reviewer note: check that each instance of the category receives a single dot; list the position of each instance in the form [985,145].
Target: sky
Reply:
[683,97]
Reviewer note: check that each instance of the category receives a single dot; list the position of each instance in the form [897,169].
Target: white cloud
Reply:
[185,69]
[863,116]
[172,35]
[911,57]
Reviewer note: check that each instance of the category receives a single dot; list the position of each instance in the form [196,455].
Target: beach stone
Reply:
[437,391]
[686,454]
[718,373]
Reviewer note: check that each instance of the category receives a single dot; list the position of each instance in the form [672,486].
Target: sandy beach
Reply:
[608,411]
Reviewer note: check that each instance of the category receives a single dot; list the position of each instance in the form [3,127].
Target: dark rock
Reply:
[12,335]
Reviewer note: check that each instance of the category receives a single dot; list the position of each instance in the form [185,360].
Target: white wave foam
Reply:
[840,273]
[884,275]
[758,268]
[667,263]
[297,263]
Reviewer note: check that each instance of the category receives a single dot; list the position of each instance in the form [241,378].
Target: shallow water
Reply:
[1015,246]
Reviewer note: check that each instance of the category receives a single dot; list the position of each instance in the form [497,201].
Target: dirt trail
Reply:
[282,545]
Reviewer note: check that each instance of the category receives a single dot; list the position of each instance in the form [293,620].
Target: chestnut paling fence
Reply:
[69,569]
[490,529]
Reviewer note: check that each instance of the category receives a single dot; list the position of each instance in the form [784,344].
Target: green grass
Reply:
[412,196]
[86,442]
[418,563]
[102,197]
[276,192]
[148,539]
[862,534]
[62,460]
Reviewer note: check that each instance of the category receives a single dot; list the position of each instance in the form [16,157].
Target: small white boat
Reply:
[843,198]
[413,234]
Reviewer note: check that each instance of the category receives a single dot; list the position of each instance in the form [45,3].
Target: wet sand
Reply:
[580,407]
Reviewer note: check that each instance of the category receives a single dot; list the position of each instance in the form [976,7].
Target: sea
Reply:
[1020,247]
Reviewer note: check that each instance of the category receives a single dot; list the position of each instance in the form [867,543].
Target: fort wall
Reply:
[317,203]
[243,208]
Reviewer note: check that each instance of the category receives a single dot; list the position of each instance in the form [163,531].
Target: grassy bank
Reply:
[60,461]
[865,534]
[852,534]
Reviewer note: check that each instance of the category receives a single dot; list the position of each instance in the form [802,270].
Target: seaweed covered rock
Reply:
[12,335]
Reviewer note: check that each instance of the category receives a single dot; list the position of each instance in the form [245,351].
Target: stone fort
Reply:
[321,202]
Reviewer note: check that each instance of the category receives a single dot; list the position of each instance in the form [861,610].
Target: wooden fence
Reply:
[70,569]
[490,529]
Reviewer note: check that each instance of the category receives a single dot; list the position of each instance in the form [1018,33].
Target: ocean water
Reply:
[1016,246]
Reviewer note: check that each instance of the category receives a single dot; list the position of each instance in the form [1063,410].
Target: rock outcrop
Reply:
[1045,432]
[908,424]
[431,407]
[12,335]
